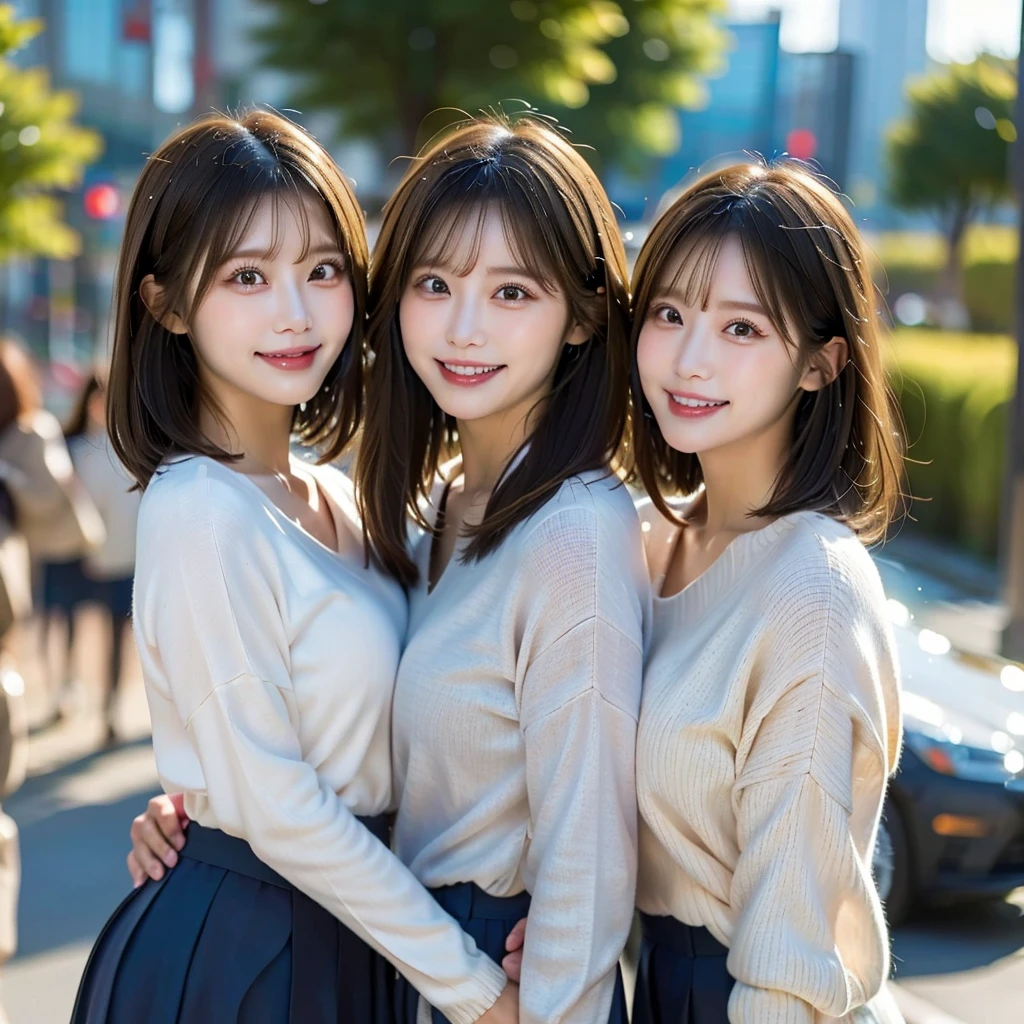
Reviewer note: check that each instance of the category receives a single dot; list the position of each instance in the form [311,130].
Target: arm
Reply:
[579,706]
[209,601]
[810,938]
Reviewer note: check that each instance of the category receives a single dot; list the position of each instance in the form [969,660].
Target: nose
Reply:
[291,315]
[466,326]
[694,357]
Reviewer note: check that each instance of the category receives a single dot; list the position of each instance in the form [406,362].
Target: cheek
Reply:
[337,308]
[764,374]
[652,353]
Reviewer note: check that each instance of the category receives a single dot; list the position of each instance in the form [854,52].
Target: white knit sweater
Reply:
[769,725]
[514,734]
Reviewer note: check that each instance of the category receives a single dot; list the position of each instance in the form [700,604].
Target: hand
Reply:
[157,835]
[513,963]
[506,1009]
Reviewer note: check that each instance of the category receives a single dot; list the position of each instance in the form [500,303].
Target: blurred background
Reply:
[908,106]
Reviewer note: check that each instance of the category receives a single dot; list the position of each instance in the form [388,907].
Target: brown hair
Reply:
[78,419]
[20,391]
[193,203]
[557,220]
[807,266]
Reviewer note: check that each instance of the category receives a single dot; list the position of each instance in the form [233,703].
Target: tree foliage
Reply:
[614,72]
[42,151]
[950,154]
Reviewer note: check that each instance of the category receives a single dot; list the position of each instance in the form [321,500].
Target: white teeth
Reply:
[695,403]
[469,371]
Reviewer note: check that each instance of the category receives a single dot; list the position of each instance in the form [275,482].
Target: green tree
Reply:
[950,154]
[613,72]
[41,151]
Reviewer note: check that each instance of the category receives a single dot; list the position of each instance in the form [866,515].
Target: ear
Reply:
[829,361]
[153,296]
[578,335]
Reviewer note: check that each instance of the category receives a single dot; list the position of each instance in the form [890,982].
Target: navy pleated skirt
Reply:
[224,939]
[488,919]
[681,978]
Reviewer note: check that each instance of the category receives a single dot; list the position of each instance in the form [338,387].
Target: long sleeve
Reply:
[211,598]
[581,667]
[810,940]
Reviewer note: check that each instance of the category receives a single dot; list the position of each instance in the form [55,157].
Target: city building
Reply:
[887,39]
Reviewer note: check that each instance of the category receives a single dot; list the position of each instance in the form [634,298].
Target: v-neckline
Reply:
[434,578]
[337,515]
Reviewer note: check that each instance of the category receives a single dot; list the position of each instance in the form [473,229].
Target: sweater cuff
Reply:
[749,1005]
[479,993]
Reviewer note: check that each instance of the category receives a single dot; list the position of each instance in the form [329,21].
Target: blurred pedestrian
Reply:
[34,481]
[52,510]
[109,570]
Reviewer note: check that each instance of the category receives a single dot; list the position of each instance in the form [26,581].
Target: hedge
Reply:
[910,261]
[955,392]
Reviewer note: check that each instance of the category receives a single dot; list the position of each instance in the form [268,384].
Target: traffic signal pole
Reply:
[1013,530]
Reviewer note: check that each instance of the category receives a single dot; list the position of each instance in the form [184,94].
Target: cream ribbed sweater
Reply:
[514,733]
[769,725]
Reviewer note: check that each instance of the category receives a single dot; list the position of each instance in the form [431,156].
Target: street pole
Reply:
[1013,531]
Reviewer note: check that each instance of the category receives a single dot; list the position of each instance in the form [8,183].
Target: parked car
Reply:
[952,828]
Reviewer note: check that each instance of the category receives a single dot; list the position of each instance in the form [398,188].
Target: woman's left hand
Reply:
[513,962]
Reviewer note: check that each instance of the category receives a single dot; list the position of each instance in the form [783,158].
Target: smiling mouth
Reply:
[696,403]
[291,358]
[468,373]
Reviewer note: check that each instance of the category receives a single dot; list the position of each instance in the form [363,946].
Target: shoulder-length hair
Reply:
[559,223]
[194,202]
[808,269]
[20,391]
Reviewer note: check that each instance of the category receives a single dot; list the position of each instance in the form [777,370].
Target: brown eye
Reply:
[248,277]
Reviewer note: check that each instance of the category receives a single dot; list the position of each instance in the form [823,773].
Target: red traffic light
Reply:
[802,144]
[101,201]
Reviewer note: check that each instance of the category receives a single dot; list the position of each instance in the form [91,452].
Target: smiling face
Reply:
[278,311]
[717,373]
[483,333]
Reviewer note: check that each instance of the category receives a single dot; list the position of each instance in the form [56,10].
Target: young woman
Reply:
[110,569]
[269,647]
[770,718]
[499,326]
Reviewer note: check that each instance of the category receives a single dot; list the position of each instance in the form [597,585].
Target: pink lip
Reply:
[689,412]
[291,358]
[464,381]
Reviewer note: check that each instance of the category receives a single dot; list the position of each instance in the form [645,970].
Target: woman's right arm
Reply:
[208,600]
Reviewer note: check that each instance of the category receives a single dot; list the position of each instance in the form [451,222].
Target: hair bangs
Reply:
[455,214]
[227,221]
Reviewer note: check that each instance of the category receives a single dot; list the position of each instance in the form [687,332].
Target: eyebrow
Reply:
[254,252]
[749,307]
[441,265]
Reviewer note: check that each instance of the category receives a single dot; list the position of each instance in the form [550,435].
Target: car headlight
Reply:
[948,757]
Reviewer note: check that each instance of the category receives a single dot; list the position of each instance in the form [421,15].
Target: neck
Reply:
[487,448]
[258,431]
[741,478]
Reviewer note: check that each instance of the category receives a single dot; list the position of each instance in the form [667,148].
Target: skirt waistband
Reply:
[685,939]
[217,848]
[466,901]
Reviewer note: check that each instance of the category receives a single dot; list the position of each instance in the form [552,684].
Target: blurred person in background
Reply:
[108,571]
[52,510]
[35,516]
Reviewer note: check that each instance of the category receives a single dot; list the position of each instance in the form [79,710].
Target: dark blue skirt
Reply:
[681,978]
[224,939]
[488,919]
